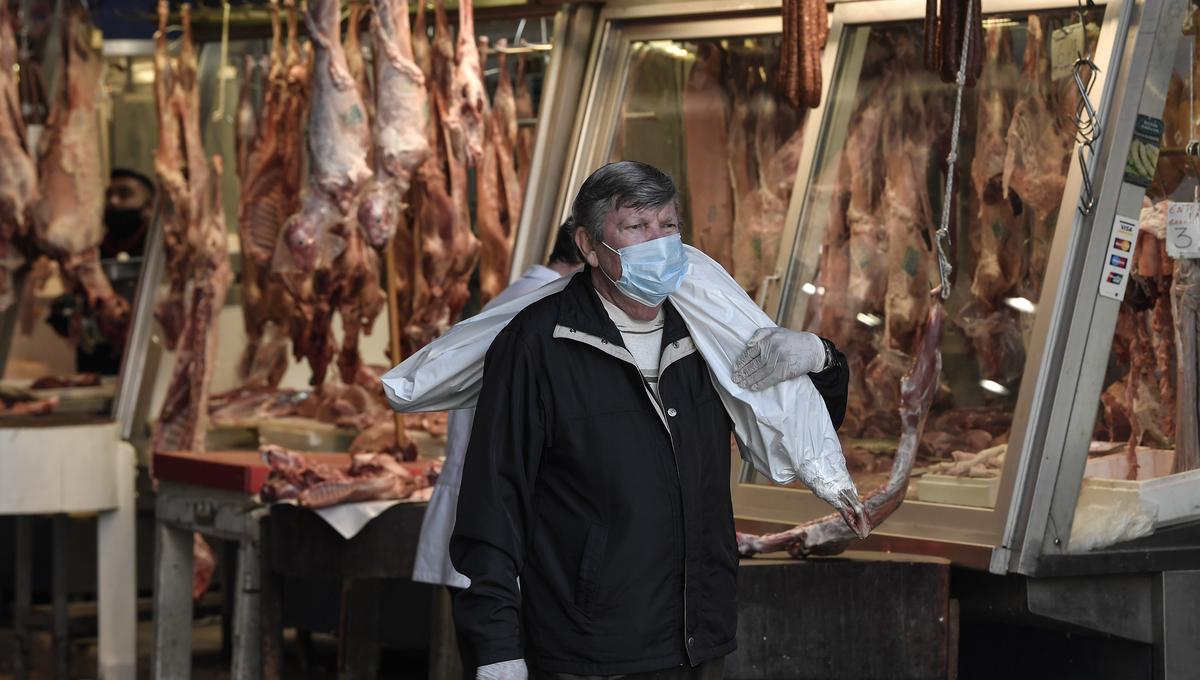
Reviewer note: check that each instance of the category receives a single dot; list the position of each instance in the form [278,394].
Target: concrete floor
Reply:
[317,662]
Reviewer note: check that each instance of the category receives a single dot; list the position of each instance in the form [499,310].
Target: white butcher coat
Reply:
[433,550]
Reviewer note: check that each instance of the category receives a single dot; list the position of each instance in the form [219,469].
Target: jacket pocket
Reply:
[588,581]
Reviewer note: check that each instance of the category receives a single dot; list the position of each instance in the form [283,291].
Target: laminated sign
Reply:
[1118,259]
[1183,230]
[1143,151]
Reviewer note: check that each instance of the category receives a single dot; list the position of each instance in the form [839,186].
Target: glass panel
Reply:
[864,264]
[1146,423]
[706,112]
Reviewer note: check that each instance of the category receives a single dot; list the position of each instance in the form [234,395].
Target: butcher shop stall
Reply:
[1054,462]
[992,208]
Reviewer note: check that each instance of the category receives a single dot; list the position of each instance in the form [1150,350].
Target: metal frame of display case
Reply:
[1040,485]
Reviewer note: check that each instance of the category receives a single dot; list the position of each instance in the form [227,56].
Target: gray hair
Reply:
[623,184]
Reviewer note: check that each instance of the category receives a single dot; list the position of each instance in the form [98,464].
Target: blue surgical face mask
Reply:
[651,270]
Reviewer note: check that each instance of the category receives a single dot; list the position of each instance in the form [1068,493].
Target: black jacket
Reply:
[622,533]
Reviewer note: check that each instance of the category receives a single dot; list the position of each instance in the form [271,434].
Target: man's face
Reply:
[126,193]
[626,227]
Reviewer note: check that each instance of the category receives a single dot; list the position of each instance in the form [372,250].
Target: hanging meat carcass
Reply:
[831,534]
[338,141]
[399,128]
[498,188]
[267,306]
[464,111]
[68,217]
[1038,150]
[448,250]
[706,115]
[18,173]
[1185,306]
[194,239]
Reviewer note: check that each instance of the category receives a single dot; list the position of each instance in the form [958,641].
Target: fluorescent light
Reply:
[808,288]
[993,387]
[869,319]
[1021,305]
[820,290]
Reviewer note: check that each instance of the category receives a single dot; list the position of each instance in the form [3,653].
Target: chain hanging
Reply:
[942,236]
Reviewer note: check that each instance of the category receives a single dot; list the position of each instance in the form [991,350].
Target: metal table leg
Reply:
[23,596]
[247,634]
[172,604]
[59,587]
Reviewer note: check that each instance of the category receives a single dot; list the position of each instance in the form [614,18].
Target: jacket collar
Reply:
[580,308]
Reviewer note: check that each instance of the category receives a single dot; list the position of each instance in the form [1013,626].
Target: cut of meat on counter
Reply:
[53,382]
[19,402]
[67,220]
[194,239]
[18,173]
[369,477]
[498,187]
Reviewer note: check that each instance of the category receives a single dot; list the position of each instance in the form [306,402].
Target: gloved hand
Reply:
[777,354]
[503,670]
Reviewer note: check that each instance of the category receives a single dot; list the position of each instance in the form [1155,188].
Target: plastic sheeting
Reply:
[784,431]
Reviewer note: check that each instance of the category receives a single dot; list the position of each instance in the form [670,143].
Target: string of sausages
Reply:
[805,28]
[944,33]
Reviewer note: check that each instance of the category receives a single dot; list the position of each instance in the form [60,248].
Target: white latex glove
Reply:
[503,670]
[777,354]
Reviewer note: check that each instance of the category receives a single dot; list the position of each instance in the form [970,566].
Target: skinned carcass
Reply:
[399,128]
[18,173]
[464,114]
[498,188]
[194,235]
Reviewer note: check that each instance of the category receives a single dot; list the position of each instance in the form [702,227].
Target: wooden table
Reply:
[75,466]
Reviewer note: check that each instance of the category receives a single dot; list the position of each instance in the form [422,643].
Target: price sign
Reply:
[1066,44]
[1183,230]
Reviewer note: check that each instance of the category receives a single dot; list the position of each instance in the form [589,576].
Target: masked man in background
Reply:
[598,467]
[129,201]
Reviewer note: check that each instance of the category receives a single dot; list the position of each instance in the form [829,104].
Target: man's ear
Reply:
[583,241]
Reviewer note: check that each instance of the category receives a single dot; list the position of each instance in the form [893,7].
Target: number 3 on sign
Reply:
[1183,230]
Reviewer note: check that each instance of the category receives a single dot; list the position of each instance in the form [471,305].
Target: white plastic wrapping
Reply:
[784,431]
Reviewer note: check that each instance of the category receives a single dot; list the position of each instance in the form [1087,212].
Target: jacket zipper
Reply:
[587,339]
[682,510]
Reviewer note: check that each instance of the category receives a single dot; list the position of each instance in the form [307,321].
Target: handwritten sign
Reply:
[1183,230]
[1066,45]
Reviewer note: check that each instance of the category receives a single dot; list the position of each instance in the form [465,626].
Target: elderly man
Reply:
[598,468]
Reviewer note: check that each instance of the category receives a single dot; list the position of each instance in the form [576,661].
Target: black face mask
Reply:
[122,223]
